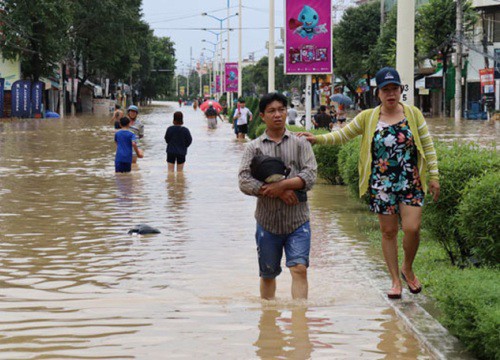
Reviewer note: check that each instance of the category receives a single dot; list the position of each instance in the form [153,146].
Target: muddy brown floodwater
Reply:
[74,284]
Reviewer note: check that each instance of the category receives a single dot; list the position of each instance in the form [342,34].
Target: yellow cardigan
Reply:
[365,124]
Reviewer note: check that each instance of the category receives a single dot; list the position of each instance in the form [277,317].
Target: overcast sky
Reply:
[181,20]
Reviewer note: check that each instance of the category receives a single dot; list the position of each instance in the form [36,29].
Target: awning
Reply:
[97,89]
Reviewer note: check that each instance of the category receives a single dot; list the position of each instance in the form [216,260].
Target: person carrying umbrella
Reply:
[211,113]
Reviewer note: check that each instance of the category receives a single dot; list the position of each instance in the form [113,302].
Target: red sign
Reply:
[487,78]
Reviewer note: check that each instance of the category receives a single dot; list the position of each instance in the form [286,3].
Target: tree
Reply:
[435,24]
[36,32]
[353,38]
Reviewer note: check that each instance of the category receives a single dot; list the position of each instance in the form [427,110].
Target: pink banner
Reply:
[217,83]
[308,37]
[231,77]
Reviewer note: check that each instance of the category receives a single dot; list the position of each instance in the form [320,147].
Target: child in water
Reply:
[178,139]
[125,141]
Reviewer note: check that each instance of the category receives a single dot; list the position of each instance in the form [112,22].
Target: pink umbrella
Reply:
[215,104]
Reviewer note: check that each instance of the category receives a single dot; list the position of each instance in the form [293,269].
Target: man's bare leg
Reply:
[299,281]
[267,288]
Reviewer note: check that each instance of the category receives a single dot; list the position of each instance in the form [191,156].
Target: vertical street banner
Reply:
[308,37]
[21,99]
[231,77]
[217,83]
[36,98]
[206,90]
[2,85]
[181,90]
[487,78]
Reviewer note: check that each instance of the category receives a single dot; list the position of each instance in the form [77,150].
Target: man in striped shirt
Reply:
[282,220]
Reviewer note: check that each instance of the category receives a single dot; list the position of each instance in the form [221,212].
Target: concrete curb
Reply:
[430,333]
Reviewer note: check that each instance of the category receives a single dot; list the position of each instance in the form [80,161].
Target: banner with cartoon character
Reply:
[231,77]
[308,37]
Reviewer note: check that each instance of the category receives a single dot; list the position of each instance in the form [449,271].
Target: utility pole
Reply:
[62,91]
[458,63]
[240,58]
[405,47]
[270,76]
[382,15]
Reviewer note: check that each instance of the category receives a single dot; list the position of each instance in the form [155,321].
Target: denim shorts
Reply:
[270,249]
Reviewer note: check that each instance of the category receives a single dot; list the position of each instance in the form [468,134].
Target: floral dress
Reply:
[394,178]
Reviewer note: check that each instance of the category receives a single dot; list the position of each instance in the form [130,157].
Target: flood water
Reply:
[74,284]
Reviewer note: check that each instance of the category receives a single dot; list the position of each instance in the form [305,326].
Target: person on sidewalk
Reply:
[396,160]
[322,120]
[178,139]
[292,115]
[282,220]
[135,126]
[125,141]
[243,115]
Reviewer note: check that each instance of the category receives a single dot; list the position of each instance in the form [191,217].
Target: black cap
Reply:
[386,76]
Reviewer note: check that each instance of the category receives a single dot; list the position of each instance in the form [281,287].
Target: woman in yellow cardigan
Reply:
[396,159]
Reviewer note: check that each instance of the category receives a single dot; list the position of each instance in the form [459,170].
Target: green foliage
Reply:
[348,164]
[353,38]
[36,32]
[470,301]
[384,52]
[479,218]
[327,159]
[457,165]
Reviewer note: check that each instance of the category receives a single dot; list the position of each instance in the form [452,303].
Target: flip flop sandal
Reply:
[414,286]
[394,293]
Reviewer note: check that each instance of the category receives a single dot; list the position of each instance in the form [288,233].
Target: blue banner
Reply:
[2,85]
[36,98]
[21,99]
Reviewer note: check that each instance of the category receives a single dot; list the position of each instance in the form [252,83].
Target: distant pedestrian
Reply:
[117,115]
[243,115]
[212,114]
[341,115]
[322,120]
[292,115]
[125,141]
[135,126]
[178,139]
[180,102]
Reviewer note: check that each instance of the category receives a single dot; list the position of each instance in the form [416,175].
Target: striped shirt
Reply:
[273,214]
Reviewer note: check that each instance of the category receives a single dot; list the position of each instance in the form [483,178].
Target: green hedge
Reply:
[458,163]
[469,301]
[479,218]
[348,165]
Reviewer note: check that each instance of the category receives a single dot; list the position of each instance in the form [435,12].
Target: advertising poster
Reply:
[181,90]
[21,99]
[308,37]
[36,98]
[487,78]
[206,90]
[217,83]
[231,77]
[2,83]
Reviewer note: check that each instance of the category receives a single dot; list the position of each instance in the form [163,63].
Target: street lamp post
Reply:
[270,76]
[240,68]
[221,20]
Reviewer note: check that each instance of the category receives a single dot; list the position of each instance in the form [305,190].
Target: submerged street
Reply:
[74,284]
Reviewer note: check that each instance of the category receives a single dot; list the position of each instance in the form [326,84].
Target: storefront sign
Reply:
[308,37]
[487,78]
[10,71]
[231,77]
